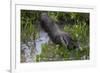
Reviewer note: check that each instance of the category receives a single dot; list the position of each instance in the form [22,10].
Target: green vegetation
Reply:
[52,52]
[74,23]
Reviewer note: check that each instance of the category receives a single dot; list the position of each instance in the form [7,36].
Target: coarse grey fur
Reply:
[56,35]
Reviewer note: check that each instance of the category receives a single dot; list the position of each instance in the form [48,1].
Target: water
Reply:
[29,52]
[43,39]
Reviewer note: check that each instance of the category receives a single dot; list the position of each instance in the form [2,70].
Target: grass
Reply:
[54,52]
